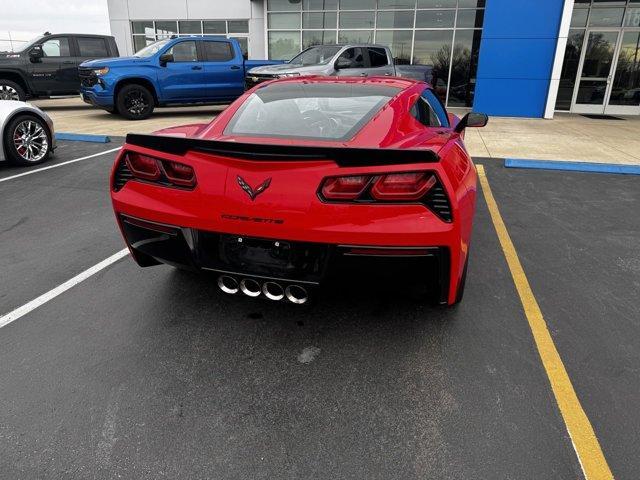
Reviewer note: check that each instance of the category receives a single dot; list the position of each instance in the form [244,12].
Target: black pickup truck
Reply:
[48,65]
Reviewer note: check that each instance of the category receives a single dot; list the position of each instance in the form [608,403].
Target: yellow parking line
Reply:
[584,439]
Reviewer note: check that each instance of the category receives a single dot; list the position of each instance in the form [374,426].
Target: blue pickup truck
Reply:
[174,71]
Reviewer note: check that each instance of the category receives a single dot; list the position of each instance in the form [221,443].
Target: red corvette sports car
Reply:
[305,180]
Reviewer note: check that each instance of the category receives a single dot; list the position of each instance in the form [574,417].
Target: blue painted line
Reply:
[572,166]
[80,137]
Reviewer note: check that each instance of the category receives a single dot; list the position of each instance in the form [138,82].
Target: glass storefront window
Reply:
[436,3]
[190,27]
[464,66]
[470,18]
[357,4]
[416,31]
[214,27]
[433,48]
[318,37]
[626,84]
[166,28]
[569,69]
[283,45]
[319,20]
[400,43]
[320,5]
[142,27]
[396,4]
[355,36]
[283,5]
[632,19]
[471,3]
[579,17]
[357,19]
[606,17]
[399,19]
[238,26]
[284,20]
[435,18]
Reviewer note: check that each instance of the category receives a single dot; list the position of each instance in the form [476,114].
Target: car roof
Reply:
[76,35]
[396,82]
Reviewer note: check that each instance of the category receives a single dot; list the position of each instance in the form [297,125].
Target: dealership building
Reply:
[525,58]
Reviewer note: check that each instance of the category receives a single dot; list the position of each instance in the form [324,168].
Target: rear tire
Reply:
[27,140]
[135,102]
[11,91]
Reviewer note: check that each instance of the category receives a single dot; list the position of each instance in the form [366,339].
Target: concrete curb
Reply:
[572,166]
[81,137]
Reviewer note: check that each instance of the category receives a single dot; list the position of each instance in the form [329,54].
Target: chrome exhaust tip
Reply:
[250,287]
[296,294]
[273,291]
[228,284]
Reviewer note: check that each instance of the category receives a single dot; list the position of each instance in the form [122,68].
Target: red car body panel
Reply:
[291,208]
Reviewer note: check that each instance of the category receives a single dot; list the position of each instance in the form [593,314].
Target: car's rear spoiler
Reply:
[343,156]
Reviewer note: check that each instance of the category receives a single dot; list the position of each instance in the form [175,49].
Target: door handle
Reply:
[68,62]
[235,67]
[363,74]
[196,67]
[387,74]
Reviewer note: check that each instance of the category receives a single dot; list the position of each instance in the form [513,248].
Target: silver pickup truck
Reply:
[342,60]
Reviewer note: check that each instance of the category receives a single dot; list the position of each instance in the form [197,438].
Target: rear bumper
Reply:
[312,264]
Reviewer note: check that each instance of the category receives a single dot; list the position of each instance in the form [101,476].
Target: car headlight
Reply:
[292,74]
[101,71]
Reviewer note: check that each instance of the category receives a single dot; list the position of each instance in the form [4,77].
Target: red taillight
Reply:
[403,186]
[166,172]
[142,166]
[344,188]
[179,173]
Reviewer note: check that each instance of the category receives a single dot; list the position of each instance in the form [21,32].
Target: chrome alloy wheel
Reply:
[30,140]
[7,92]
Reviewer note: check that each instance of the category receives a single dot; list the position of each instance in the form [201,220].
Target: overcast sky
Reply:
[26,19]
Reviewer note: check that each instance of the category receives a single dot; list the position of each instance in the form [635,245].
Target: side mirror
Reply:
[472,119]
[36,53]
[342,63]
[166,58]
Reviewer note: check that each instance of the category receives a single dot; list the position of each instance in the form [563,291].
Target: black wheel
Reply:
[463,282]
[27,140]
[11,91]
[135,102]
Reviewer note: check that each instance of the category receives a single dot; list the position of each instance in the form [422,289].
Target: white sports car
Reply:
[26,133]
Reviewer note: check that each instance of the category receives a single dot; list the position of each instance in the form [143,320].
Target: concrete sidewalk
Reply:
[566,137]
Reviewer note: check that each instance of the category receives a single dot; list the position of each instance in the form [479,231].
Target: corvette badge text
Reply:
[242,218]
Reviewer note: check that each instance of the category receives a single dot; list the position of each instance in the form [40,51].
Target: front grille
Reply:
[122,176]
[438,202]
[87,77]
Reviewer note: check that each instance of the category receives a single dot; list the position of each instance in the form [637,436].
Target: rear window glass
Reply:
[323,111]
[92,47]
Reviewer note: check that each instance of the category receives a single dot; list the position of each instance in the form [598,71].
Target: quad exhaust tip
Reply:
[271,290]
[250,287]
[296,294]
[228,284]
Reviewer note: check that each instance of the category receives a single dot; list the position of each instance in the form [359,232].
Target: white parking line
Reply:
[30,172]
[51,294]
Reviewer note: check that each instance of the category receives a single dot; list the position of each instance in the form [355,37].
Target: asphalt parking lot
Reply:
[153,373]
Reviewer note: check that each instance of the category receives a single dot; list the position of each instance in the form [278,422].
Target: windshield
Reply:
[152,48]
[323,111]
[320,55]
